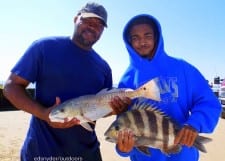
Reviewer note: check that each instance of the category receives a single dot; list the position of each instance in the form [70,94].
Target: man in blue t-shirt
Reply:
[62,68]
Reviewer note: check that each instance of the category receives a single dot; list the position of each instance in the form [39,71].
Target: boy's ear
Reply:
[75,19]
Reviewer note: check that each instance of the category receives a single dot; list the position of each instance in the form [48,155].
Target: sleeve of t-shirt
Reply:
[28,65]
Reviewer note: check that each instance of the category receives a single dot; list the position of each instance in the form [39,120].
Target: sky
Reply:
[193,30]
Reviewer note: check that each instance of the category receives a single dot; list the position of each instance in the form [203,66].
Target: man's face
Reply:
[142,39]
[88,30]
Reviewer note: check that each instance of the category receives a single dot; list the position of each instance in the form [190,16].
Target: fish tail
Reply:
[150,90]
[200,140]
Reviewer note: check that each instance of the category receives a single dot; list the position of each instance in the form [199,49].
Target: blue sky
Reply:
[192,29]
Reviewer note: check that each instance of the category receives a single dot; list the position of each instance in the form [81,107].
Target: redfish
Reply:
[89,108]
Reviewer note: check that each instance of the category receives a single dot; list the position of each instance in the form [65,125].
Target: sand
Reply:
[14,124]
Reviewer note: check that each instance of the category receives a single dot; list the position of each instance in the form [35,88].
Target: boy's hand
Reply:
[125,142]
[119,105]
[186,136]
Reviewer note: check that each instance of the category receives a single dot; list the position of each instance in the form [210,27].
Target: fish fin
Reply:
[88,120]
[150,90]
[86,126]
[120,90]
[146,104]
[172,149]
[103,91]
[113,90]
[199,141]
[144,149]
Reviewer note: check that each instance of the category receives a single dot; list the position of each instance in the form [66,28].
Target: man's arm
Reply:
[15,91]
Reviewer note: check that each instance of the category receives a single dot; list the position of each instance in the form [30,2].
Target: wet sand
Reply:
[14,124]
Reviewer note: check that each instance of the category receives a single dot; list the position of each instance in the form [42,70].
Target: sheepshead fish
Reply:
[89,108]
[151,128]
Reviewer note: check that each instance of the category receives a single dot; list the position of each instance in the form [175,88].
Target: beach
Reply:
[14,124]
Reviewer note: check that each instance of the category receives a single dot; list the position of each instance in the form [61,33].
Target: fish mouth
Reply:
[56,119]
[112,140]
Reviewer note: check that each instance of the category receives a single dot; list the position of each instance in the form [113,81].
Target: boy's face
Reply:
[142,39]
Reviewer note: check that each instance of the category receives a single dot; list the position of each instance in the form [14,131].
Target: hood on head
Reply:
[135,59]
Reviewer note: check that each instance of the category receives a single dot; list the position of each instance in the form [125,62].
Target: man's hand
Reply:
[119,105]
[186,136]
[125,142]
[65,124]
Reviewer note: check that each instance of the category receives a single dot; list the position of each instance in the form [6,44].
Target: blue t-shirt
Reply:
[60,68]
[186,95]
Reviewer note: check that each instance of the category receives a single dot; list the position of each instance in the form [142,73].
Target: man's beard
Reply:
[86,42]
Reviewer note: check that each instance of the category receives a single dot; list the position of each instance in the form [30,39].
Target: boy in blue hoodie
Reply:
[186,95]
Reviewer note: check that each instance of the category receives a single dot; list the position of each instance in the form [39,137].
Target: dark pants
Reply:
[94,156]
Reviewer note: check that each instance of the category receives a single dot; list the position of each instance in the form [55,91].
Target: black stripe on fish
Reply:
[165,130]
[126,119]
[138,120]
[152,123]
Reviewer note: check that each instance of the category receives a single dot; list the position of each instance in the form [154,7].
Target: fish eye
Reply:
[117,128]
[62,110]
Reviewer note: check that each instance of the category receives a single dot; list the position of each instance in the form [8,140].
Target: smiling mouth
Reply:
[89,32]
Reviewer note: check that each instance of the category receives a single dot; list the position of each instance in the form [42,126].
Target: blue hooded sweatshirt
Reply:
[185,93]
